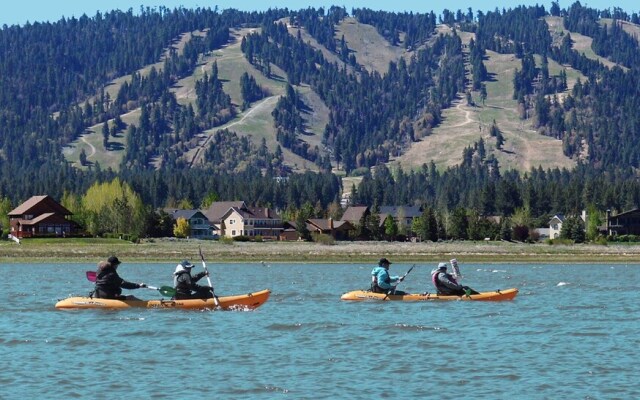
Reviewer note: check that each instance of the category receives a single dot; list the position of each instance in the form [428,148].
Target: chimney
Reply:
[331,223]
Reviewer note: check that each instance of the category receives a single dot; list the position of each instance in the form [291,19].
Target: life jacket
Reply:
[182,284]
[108,284]
[436,281]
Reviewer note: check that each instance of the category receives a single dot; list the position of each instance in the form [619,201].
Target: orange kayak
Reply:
[498,295]
[238,302]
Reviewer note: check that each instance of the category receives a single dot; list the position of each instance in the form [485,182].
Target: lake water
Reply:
[572,332]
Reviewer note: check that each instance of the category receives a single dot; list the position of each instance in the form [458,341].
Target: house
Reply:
[251,221]
[198,222]
[42,216]
[402,215]
[354,214]
[339,230]
[289,232]
[555,224]
[626,223]
[216,210]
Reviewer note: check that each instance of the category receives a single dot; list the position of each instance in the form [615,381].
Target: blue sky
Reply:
[19,12]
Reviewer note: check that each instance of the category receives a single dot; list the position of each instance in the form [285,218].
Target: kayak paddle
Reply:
[204,265]
[399,280]
[164,290]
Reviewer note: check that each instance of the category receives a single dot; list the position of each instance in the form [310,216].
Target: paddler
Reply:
[109,285]
[381,282]
[446,284]
[185,284]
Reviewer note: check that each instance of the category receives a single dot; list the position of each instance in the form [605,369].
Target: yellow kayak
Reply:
[239,302]
[498,295]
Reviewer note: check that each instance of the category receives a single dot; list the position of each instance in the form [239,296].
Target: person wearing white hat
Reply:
[446,284]
[186,285]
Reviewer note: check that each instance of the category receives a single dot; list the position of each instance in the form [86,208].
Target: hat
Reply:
[113,260]
[442,266]
[186,264]
[384,261]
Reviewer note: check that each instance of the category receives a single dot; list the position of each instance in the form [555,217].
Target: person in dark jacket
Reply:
[381,281]
[109,285]
[446,284]
[185,284]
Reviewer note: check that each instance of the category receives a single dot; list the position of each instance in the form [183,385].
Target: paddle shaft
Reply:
[400,280]
[204,265]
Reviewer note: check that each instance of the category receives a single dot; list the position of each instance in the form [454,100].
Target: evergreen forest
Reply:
[120,74]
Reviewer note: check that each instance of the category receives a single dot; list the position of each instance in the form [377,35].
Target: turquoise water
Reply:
[572,332]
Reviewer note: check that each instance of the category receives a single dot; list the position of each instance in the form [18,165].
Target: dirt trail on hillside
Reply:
[209,133]
[92,147]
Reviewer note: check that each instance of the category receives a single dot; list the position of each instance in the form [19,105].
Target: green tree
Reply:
[182,229]
[418,228]
[573,228]
[390,228]
[209,199]
[105,135]
[5,208]
[483,93]
[185,204]
[593,222]
[505,229]
[521,223]
[301,227]
[114,207]
[373,223]
[459,226]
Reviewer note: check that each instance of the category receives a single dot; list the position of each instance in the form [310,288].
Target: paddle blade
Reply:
[167,291]
[91,276]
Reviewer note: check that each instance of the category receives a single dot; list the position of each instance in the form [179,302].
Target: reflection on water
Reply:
[570,333]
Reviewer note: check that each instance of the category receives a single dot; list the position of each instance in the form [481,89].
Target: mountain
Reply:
[283,91]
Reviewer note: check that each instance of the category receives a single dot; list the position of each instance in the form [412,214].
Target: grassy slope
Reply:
[372,51]
[631,28]
[256,121]
[463,125]
[581,43]
[91,141]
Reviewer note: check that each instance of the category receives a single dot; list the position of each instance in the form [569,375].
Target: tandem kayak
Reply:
[237,302]
[498,295]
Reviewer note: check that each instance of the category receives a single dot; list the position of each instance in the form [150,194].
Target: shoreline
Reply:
[170,250]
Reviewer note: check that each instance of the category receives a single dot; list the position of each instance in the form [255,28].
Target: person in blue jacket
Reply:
[381,281]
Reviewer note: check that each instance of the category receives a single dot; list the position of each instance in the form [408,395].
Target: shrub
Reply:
[226,240]
[323,238]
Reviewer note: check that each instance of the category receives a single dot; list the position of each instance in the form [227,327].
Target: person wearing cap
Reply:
[109,284]
[185,284]
[446,284]
[381,281]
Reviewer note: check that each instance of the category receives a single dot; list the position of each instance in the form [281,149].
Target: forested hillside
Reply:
[491,111]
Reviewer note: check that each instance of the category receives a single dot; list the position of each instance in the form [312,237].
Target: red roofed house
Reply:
[41,216]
